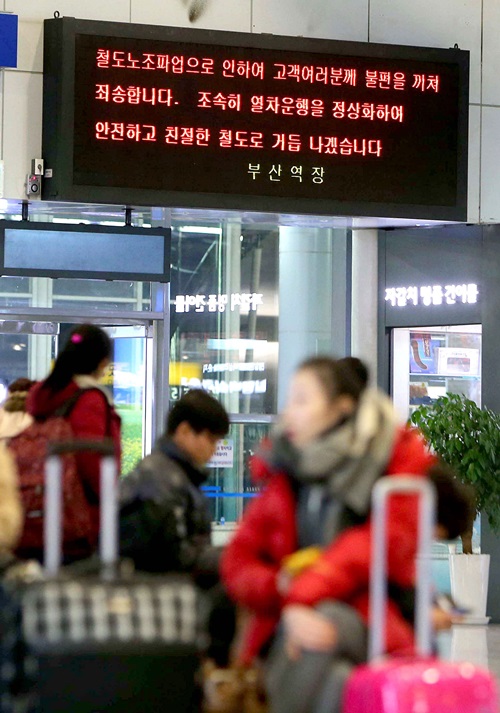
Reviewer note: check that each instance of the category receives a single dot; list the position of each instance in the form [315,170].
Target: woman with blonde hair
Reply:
[13,416]
[11,515]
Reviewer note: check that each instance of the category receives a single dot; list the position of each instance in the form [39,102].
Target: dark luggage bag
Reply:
[108,640]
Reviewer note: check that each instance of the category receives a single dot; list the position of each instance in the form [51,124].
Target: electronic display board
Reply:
[95,251]
[169,116]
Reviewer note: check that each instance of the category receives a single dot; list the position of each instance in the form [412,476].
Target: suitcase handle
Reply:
[80,445]
[383,489]
[108,540]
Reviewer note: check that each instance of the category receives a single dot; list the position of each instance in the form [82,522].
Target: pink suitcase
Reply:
[423,683]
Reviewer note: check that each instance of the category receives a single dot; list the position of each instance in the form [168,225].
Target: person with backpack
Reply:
[72,394]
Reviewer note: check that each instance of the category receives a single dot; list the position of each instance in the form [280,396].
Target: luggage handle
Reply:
[53,520]
[79,445]
[383,489]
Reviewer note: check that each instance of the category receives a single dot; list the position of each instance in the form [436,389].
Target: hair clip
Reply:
[76,338]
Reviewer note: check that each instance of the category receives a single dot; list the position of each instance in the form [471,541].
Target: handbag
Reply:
[235,689]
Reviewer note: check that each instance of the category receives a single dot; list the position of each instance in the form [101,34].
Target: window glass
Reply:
[73,293]
[224,338]
[230,488]
[101,294]
[94,288]
[224,314]
[15,291]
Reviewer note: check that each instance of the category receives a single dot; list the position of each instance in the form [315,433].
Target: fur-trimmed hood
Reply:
[12,423]
[11,514]
[349,458]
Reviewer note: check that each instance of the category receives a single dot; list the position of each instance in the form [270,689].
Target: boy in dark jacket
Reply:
[164,522]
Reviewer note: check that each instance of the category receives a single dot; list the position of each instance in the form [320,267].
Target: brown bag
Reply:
[255,699]
[233,690]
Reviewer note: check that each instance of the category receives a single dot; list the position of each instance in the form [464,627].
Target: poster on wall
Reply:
[458,362]
[423,351]
[224,454]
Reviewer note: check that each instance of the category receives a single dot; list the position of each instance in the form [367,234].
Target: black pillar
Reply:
[490,542]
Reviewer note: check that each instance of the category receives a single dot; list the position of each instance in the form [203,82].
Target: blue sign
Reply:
[8,40]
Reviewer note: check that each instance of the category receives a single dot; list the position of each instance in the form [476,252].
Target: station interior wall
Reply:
[471,24]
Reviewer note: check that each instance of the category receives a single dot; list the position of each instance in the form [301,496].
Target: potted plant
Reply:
[467,437]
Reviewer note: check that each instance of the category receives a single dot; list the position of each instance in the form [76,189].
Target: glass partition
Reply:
[223,322]
[230,487]
[102,295]
[15,291]
[75,294]
[28,349]
[128,379]
[224,314]
[224,338]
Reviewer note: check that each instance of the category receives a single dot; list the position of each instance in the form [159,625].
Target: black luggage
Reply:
[108,640]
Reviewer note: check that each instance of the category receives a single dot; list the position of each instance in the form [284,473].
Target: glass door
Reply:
[29,348]
[429,362]
[130,379]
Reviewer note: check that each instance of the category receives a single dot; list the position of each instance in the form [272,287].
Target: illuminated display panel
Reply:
[213,119]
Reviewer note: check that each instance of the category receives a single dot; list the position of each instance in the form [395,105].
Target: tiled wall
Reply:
[472,24]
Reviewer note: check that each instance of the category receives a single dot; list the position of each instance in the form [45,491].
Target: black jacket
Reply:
[164,521]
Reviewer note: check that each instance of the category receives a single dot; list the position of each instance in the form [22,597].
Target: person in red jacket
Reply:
[335,439]
[79,366]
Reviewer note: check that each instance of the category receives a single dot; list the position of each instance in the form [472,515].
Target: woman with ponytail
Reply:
[77,370]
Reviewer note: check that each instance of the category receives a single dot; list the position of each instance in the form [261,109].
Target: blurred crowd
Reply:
[289,594]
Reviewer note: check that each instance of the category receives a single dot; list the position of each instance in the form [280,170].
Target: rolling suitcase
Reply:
[420,683]
[108,641]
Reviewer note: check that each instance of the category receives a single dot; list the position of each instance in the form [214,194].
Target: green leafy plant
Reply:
[131,436]
[466,437]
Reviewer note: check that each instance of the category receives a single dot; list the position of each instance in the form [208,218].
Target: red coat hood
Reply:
[42,402]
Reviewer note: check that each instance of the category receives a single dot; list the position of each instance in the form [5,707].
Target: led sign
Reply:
[428,295]
[244,301]
[158,115]
[223,386]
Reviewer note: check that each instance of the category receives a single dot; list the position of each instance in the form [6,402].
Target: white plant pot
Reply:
[469,585]
[470,643]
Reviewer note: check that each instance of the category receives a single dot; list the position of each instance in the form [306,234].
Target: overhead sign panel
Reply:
[95,251]
[154,115]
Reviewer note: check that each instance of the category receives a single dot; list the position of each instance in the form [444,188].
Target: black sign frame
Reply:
[59,122]
[447,254]
[87,231]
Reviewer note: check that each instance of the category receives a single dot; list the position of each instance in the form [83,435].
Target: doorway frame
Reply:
[157,324]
